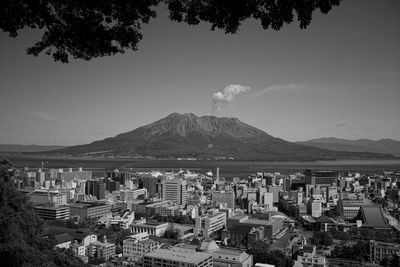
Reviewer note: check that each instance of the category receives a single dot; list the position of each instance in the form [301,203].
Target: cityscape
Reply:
[182,217]
[200,133]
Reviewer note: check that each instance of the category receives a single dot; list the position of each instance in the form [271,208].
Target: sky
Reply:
[338,78]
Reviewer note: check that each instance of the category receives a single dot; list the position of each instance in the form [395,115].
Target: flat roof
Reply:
[262,222]
[179,254]
[43,207]
[87,205]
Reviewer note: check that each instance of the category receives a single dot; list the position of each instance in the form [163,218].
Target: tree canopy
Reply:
[21,243]
[262,254]
[90,29]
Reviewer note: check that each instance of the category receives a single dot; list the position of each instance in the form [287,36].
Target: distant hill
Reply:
[187,135]
[389,146]
[27,148]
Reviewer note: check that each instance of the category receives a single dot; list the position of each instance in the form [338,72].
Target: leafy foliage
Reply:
[20,229]
[90,29]
[358,252]
[262,254]
[171,233]
[322,238]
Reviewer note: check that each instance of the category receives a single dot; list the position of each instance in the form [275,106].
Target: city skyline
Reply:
[340,77]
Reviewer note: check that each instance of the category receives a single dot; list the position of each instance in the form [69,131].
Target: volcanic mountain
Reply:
[187,135]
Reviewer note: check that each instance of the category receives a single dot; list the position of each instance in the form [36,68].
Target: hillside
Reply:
[27,148]
[187,135]
[387,146]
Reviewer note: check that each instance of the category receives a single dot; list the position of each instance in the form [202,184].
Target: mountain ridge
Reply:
[28,148]
[187,135]
[383,145]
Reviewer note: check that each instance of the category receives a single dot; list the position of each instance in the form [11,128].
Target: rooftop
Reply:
[78,234]
[372,216]
[62,238]
[87,205]
[179,254]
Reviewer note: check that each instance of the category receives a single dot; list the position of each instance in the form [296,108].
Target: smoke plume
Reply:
[219,99]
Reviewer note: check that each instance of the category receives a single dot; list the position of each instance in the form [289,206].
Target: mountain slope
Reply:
[186,135]
[361,145]
[27,148]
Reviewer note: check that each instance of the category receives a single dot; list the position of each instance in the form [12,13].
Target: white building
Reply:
[153,229]
[309,257]
[135,248]
[129,195]
[316,208]
[174,190]
[102,250]
[208,224]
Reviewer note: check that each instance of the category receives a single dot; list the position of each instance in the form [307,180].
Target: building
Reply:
[222,257]
[112,185]
[129,195]
[267,199]
[123,222]
[177,257]
[70,174]
[316,208]
[135,248]
[153,229]
[350,205]
[379,250]
[102,250]
[51,213]
[210,223]
[40,197]
[95,188]
[321,178]
[226,257]
[152,185]
[89,210]
[174,190]
[78,249]
[82,236]
[151,208]
[275,192]
[63,240]
[242,236]
[228,197]
[373,217]
[271,227]
[120,176]
[308,257]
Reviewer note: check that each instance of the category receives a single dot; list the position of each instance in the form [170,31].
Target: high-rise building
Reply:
[316,208]
[227,197]
[267,199]
[95,188]
[174,190]
[320,178]
[275,192]
[151,184]
[71,174]
[112,185]
[120,176]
